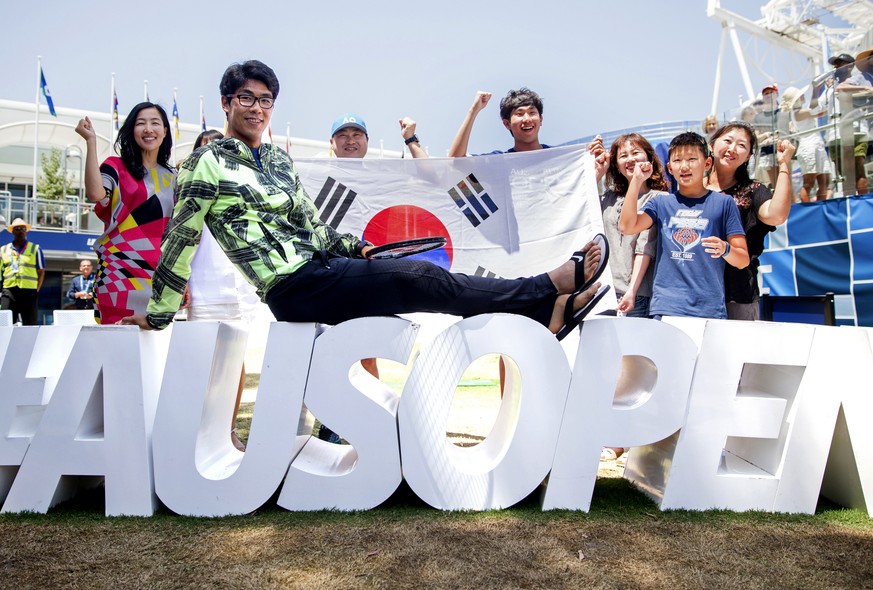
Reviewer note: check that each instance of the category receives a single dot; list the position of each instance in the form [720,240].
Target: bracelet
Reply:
[727,249]
[152,325]
[359,249]
[785,172]
[411,139]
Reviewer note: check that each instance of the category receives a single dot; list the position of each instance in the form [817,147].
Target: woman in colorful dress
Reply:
[133,193]
[760,210]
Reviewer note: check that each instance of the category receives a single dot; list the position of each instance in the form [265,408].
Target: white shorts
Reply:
[812,157]
[214,311]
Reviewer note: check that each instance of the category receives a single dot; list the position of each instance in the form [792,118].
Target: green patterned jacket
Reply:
[261,217]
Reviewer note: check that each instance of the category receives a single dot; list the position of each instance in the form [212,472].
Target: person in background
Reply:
[522,114]
[767,131]
[811,152]
[349,139]
[709,125]
[830,106]
[134,195]
[22,270]
[747,114]
[81,290]
[760,210]
[860,86]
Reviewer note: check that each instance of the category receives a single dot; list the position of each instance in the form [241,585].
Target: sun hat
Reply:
[18,222]
[791,96]
[863,54]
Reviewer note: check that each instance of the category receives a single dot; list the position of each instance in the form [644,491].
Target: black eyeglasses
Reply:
[247,100]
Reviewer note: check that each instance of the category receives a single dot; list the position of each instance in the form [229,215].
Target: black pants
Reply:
[331,290]
[22,302]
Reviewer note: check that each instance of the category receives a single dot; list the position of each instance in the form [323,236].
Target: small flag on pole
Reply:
[46,93]
[202,116]
[175,116]
[115,109]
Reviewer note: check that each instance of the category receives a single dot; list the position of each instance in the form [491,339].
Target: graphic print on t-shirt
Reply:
[687,230]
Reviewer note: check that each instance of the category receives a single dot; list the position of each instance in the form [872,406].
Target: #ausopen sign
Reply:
[735,415]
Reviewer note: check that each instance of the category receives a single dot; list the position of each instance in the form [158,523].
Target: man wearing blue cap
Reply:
[349,138]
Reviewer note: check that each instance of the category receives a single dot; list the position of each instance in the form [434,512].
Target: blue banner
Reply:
[823,248]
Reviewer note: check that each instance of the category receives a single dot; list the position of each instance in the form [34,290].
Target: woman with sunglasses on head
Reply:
[133,193]
[760,210]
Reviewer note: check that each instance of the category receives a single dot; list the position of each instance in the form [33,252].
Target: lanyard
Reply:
[16,255]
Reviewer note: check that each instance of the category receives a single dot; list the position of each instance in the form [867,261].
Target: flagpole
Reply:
[36,132]
[288,138]
[145,91]
[112,111]
[202,118]
[175,125]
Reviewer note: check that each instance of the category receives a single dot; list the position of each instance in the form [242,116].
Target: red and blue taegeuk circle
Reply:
[404,222]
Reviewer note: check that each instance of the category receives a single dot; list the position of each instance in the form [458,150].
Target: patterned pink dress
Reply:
[134,213]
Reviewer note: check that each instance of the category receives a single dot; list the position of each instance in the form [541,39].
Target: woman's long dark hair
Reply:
[742,173]
[127,148]
[616,180]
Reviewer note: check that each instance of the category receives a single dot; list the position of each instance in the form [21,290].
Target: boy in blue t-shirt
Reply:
[692,223]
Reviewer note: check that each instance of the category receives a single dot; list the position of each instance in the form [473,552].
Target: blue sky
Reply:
[598,66]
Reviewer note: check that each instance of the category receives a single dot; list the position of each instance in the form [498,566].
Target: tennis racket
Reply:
[406,247]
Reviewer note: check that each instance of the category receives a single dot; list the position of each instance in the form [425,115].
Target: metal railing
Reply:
[654,132]
[69,215]
[843,129]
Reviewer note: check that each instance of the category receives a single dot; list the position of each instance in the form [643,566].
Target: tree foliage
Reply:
[51,179]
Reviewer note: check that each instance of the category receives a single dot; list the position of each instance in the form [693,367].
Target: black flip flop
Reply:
[573,319]
[578,257]
[600,240]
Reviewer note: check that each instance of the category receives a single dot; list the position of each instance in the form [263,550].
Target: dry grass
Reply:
[624,542]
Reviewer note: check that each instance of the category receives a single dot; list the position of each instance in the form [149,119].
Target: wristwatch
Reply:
[411,139]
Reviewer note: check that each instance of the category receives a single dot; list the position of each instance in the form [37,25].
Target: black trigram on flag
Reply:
[472,200]
[333,201]
[481,272]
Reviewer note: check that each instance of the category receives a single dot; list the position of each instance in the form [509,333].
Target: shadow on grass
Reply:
[614,499]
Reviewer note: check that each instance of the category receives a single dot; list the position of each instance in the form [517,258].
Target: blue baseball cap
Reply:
[348,120]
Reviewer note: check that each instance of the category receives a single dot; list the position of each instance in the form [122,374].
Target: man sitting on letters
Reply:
[250,197]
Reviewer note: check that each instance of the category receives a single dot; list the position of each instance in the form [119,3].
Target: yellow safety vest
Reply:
[19,270]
